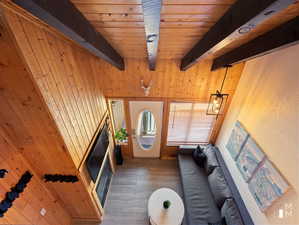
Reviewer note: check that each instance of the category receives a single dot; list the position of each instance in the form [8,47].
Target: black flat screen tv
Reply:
[96,156]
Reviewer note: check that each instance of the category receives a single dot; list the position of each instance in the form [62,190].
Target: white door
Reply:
[146,122]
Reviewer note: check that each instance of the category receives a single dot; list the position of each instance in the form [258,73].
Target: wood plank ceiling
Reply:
[183,23]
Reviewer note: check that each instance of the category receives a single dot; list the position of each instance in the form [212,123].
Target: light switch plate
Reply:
[43,212]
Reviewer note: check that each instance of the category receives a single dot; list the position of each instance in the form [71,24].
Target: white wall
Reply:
[266,102]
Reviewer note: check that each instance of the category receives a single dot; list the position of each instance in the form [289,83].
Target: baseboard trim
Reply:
[80,221]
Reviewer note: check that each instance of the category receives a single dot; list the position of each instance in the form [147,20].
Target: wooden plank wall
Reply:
[29,133]
[26,208]
[168,81]
[66,76]
[169,85]
[16,137]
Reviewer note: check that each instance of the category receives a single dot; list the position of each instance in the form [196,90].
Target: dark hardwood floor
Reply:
[132,185]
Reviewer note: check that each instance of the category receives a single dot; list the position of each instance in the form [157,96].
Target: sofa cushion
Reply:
[211,162]
[200,205]
[221,222]
[219,186]
[199,156]
[231,213]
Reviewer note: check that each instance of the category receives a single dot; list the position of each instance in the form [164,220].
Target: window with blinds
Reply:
[189,124]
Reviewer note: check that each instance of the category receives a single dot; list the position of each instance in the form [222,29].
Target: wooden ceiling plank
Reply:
[166,9]
[283,36]
[113,24]
[66,18]
[194,9]
[106,2]
[242,17]
[165,2]
[186,24]
[195,2]
[151,14]
[118,17]
[117,24]
[109,17]
[120,9]
[189,18]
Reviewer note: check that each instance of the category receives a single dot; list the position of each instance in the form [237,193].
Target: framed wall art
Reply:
[265,182]
[267,185]
[237,139]
[249,159]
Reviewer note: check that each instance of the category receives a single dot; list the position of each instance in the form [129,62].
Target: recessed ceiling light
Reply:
[244,30]
[151,38]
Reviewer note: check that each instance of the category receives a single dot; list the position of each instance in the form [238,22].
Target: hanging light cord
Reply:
[224,77]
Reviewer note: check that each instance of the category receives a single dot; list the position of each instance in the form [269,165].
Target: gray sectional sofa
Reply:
[209,193]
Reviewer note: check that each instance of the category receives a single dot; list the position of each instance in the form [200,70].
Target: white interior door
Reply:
[146,122]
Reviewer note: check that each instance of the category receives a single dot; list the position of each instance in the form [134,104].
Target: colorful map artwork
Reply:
[236,140]
[249,159]
[267,185]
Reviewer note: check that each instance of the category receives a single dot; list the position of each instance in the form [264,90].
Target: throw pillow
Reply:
[199,156]
[231,213]
[219,187]
[211,163]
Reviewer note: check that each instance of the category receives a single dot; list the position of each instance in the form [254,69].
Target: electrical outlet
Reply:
[43,212]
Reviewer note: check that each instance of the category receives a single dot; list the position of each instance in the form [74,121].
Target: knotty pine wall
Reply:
[168,81]
[169,85]
[26,208]
[17,139]
[66,76]
[31,137]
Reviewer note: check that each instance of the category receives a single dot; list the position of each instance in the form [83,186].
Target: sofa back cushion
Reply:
[231,213]
[219,187]
[211,161]
[221,222]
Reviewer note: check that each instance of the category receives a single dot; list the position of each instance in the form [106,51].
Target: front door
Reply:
[146,122]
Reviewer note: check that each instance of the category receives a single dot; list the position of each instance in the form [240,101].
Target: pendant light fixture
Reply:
[218,100]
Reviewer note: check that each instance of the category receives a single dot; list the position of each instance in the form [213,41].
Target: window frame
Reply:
[109,103]
[176,144]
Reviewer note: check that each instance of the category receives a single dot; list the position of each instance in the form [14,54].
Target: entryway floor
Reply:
[132,185]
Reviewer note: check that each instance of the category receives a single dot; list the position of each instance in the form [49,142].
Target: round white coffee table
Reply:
[160,216]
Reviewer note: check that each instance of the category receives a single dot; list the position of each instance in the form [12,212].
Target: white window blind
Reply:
[189,124]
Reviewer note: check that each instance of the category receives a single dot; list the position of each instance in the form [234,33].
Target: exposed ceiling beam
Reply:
[283,36]
[66,18]
[151,14]
[241,18]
